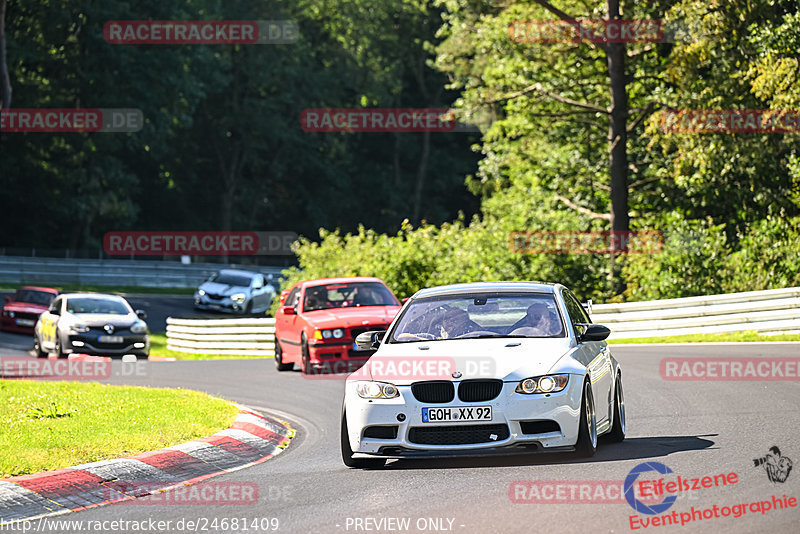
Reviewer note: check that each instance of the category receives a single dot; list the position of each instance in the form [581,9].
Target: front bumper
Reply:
[336,357]
[137,344]
[508,408]
[224,304]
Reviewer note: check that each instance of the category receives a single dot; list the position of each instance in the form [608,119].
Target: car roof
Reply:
[39,288]
[93,295]
[341,280]
[488,287]
[238,271]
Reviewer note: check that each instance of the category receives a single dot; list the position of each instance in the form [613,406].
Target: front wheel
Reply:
[587,428]
[37,348]
[59,349]
[617,433]
[305,365]
[279,365]
[347,452]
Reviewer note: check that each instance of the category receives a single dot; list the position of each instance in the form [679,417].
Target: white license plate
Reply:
[24,322]
[457,413]
[110,339]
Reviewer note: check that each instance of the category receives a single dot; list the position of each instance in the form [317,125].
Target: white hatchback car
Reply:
[483,368]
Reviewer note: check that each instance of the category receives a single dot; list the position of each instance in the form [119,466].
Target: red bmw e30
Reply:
[318,321]
[24,308]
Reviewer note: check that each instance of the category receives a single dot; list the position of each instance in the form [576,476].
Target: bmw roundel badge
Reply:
[457,375]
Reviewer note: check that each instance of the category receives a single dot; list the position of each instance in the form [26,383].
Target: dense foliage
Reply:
[222,147]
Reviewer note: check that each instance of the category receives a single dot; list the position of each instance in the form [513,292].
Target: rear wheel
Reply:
[617,433]
[37,348]
[279,365]
[347,452]
[587,429]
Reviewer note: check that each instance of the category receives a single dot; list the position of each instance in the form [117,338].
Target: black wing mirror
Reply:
[369,340]
[141,314]
[593,332]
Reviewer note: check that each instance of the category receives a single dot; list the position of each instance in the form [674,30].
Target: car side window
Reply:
[576,312]
[292,297]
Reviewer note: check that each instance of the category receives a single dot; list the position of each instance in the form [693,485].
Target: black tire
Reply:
[59,348]
[587,428]
[305,357]
[347,452]
[279,365]
[37,348]
[617,433]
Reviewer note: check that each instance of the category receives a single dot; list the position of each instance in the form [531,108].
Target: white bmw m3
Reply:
[483,368]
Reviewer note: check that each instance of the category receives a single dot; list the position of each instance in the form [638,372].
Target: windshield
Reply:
[95,305]
[476,315]
[231,279]
[353,294]
[32,296]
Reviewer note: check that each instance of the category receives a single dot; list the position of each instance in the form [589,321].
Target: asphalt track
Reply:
[695,428]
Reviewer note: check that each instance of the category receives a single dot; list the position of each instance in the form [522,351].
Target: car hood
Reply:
[24,307]
[223,289]
[101,319]
[357,316]
[507,359]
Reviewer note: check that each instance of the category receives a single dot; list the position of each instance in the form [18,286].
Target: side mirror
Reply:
[141,314]
[284,294]
[593,332]
[369,340]
[288,310]
[55,311]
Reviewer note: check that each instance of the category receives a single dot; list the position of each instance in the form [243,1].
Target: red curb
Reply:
[240,449]
[256,430]
[76,489]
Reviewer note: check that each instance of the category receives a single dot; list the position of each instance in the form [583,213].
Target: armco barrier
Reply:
[140,273]
[772,311]
[222,336]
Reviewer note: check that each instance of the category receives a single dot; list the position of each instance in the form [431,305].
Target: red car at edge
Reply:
[318,321]
[24,308]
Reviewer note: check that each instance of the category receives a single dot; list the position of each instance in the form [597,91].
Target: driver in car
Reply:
[541,319]
[456,322]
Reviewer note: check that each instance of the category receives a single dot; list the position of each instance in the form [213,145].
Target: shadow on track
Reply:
[630,449]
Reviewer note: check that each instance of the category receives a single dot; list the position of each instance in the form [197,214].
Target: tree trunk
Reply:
[422,170]
[617,138]
[5,80]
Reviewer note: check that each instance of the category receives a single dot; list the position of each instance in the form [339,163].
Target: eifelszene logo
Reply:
[777,467]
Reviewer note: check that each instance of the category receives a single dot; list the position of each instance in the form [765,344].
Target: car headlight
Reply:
[542,384]
[139,328]
[80,328]
[327,334]
[376,390]
[201,292]
[10,314]
[238,298]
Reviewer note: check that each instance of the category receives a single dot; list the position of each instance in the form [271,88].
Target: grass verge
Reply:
[736,337]
[50,425]
[158,347]
[111,289]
